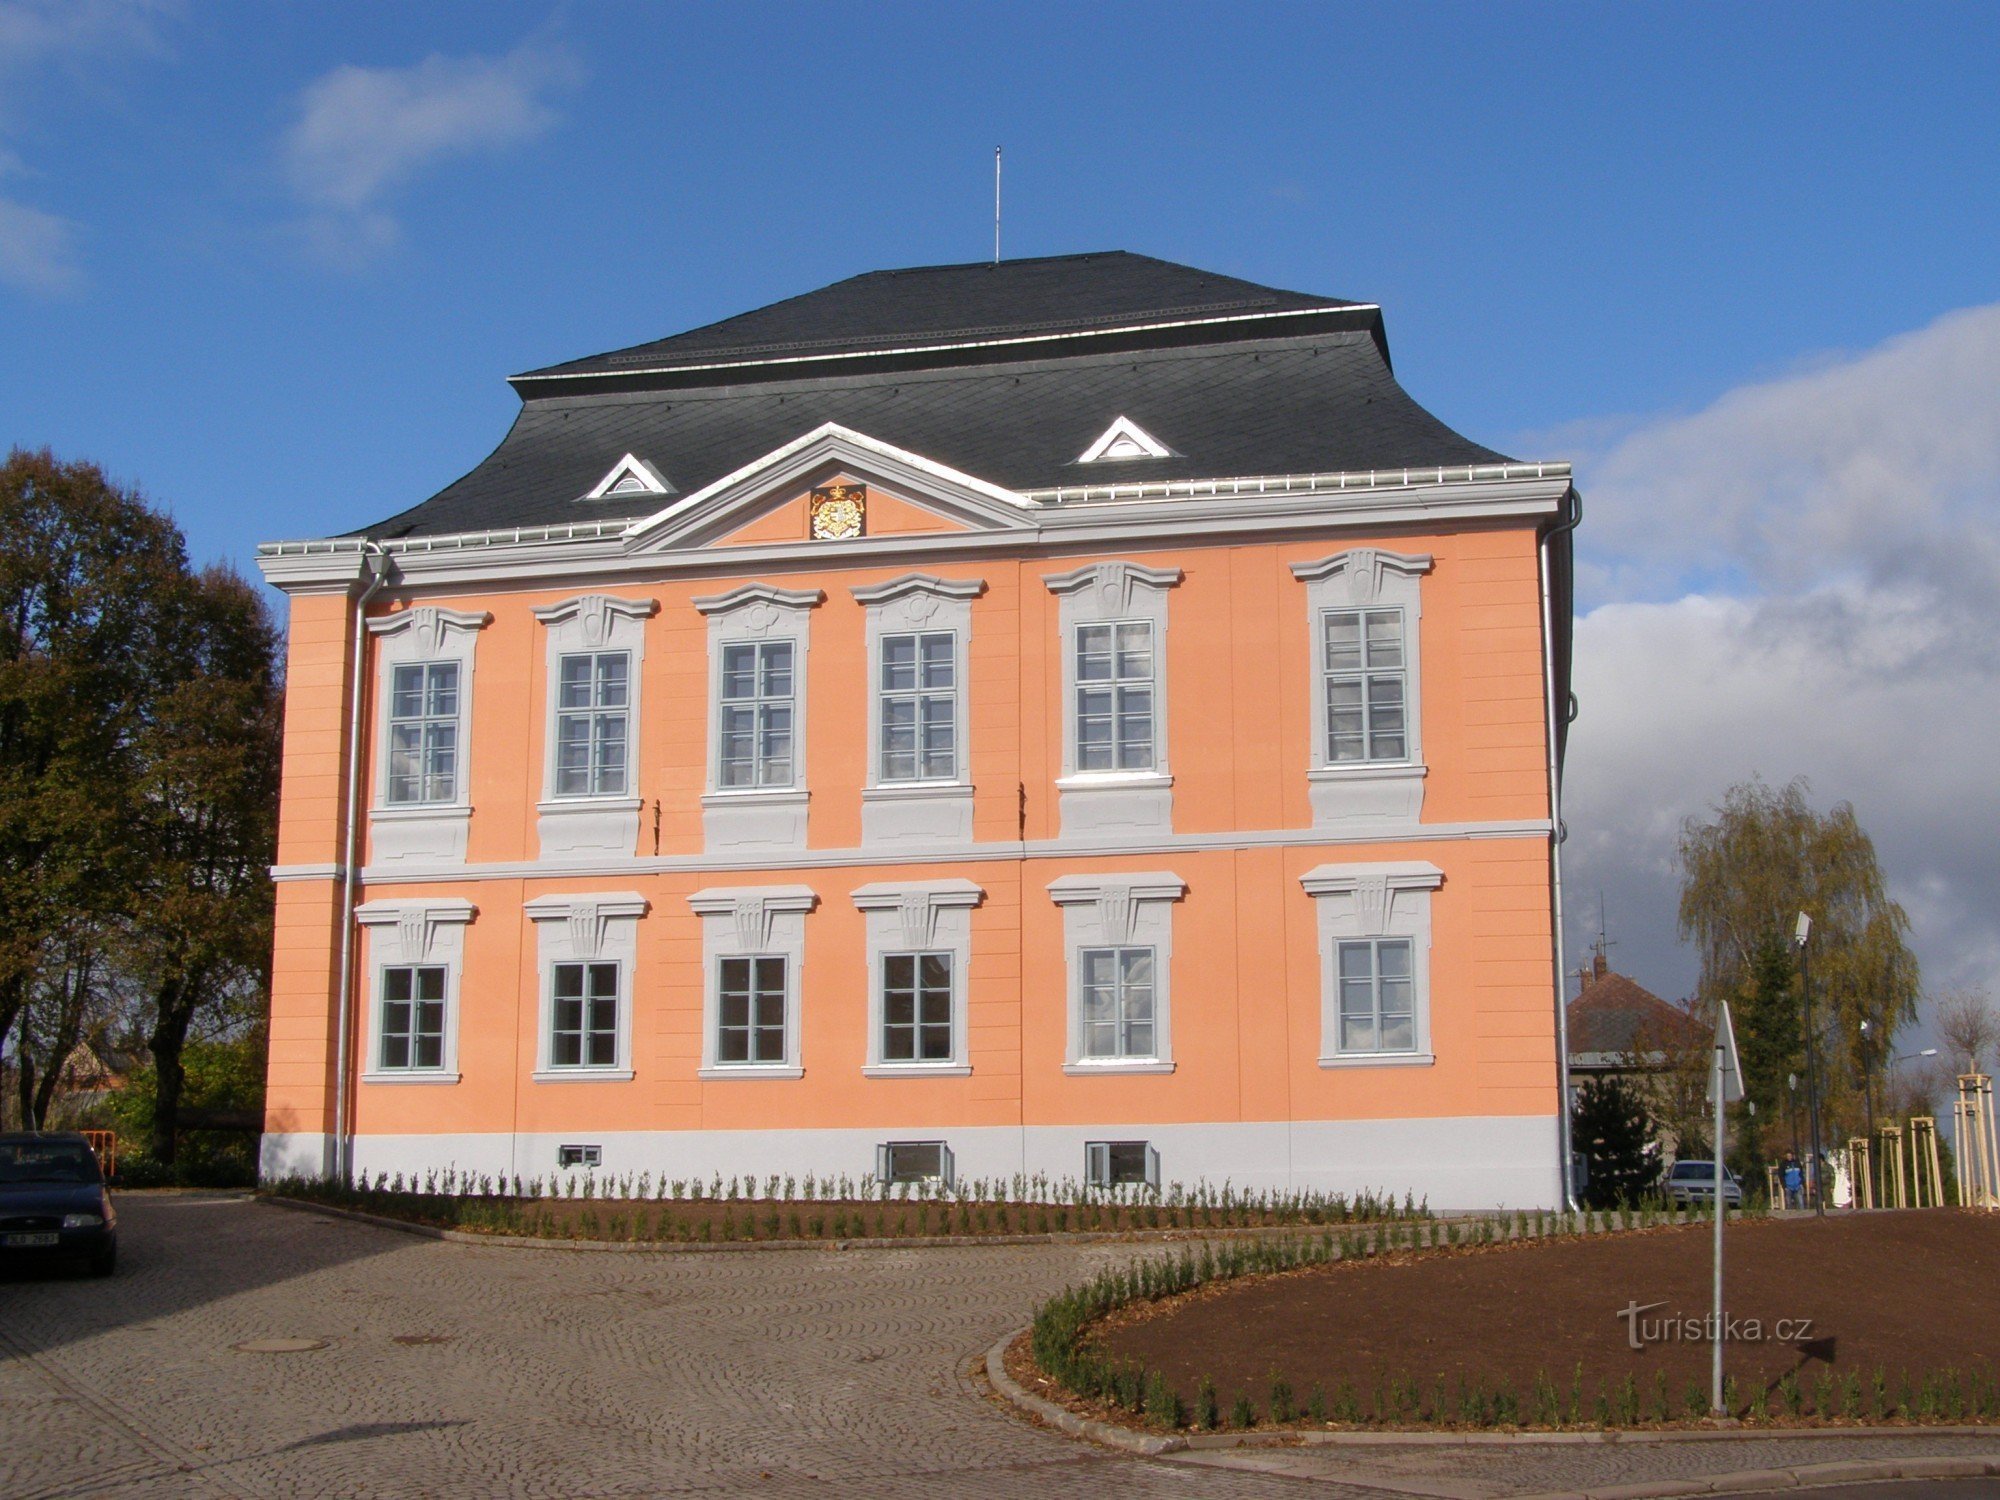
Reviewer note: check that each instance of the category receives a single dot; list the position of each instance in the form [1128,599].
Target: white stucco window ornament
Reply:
[1116,780]
[422,808]
[1365,763]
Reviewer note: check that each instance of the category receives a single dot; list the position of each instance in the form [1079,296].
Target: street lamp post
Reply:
[1800,936]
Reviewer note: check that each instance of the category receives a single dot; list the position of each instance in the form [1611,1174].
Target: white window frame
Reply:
[922,811]
[579,827]
[422,833]
[752,922]
[929,916]
[1114,803]
[744,819]
[1349,792]
[588,927]
[405,934]
[1372,901]
[1125,910]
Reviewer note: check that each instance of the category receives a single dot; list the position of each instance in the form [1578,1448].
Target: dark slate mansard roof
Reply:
[1004,371]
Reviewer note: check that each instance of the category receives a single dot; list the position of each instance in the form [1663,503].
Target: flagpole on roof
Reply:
[996,205]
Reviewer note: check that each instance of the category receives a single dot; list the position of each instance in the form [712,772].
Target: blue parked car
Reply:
[53,1204]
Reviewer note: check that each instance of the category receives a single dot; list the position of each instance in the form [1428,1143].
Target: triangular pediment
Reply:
[630,476]
[764,502]
[1124,438]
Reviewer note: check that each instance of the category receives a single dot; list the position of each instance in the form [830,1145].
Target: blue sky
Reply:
[272,265]
[1571,215]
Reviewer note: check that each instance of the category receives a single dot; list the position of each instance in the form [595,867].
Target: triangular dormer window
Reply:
[1125,438]
[630,476]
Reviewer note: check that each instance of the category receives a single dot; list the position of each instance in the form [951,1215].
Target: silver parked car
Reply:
[1692,1182]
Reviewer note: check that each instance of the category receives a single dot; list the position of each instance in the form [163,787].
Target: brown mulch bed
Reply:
[708,1220]
[1911,1292]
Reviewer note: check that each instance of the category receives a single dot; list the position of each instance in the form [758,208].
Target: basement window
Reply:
[579,1156]
[913,1161]
[1109,1164]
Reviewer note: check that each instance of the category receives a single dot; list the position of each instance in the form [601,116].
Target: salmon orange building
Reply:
[1073,716]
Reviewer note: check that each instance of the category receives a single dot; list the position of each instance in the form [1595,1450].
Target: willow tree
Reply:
[1747,873]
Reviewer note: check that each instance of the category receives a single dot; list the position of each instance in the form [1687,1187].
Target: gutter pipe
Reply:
[375,568]
[1557,834]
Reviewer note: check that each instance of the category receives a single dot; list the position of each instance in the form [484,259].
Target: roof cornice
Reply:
[1181,513]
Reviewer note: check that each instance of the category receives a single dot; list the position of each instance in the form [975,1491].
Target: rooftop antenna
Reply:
[996,205]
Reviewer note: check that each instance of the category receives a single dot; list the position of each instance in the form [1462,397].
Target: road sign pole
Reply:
[1721,1212]
[1727,1084]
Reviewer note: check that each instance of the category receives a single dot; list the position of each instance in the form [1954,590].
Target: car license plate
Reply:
[29,1241]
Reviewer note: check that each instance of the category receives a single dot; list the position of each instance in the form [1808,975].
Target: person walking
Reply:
[1794,1178]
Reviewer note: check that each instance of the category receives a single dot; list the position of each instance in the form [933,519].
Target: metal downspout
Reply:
[376,568]
[1556,836]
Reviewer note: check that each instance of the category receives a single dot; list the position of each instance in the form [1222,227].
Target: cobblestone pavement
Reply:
[466,1370]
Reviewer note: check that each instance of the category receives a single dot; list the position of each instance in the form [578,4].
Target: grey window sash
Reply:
[604,722]
[1375,684]
[1379,1015]
[1124,993]
[930,706]
[919,992]
[591,1038]
[758,987]
[423,745]
[1130,715]
[766,721]
[423,1019]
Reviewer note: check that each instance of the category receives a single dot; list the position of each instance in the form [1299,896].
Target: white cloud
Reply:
[362,133]
[1793,479]
[1802,579]
[65,40]
[37,250]
[33,31]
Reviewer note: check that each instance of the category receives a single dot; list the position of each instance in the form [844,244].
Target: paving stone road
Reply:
[466,1370]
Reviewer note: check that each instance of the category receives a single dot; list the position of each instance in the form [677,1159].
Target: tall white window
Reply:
[756,716]
[1116,993]
[423,732]
[1118,931]
[1365,762]
[593,692]
[752,953]
[424,661]
[919,789]
[410,1033]
[1374,940]
[589,947]
[1115,696]
[919,706]
[596,650]
[1115,777]
[583,1019]
[1366,685]
[758,648]
[415,951]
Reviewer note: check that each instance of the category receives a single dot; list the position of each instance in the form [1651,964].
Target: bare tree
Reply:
[1969,1026]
